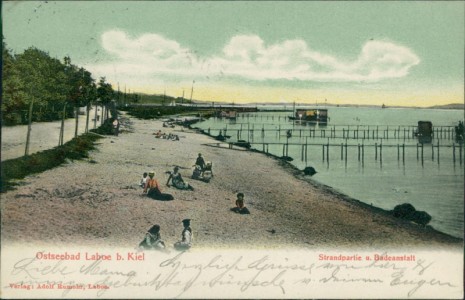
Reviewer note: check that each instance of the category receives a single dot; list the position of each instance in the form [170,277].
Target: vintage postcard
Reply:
[232,149]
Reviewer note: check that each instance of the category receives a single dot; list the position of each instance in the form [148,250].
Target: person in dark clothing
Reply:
[240,206]
[153,189]
[200,161]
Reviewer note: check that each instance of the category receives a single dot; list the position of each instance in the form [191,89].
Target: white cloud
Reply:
[248,57]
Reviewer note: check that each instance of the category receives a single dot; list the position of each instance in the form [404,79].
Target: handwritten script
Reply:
[183,274]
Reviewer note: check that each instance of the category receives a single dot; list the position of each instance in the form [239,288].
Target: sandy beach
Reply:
[98,201]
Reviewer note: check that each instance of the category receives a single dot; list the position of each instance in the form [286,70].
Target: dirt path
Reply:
[44,135]
[98,201]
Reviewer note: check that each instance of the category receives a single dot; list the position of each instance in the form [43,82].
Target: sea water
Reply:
[388,170]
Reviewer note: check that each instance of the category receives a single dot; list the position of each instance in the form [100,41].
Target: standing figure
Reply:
[153,189]
[200,162]
[240,207]
[186,236]
[152,239]
[116,127]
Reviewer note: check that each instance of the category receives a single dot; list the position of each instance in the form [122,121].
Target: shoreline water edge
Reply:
[299,175]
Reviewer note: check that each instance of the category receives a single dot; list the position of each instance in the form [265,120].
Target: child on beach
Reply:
[240,207]
[143,180]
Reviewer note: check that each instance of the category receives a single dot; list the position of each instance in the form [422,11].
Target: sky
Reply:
[408,53]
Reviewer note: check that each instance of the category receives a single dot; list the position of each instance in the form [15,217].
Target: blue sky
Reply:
[392,52]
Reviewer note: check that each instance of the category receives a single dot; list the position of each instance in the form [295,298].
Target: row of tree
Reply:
[37,87]
[54,89]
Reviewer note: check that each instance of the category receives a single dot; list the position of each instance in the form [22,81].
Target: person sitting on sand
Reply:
[152,239]
[177,180]
[153,189]
[240,207]
[186,236]
[143,180]
[158,134]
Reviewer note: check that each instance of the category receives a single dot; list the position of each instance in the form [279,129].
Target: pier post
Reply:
[287,148]
[342,149]
[417,151]
[460,152]
[453,152]
[363,152]
[324,152]
[398,152]
[432,151]
[358,151]
[343,133]
[403,153]
[376,151]
[284,151]
[381,151]
[306,151]
[438,152]
[346,152]
[302,151]
[327,153]
[422,159]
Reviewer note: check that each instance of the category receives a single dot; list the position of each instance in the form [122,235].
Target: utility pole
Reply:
[192,90]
